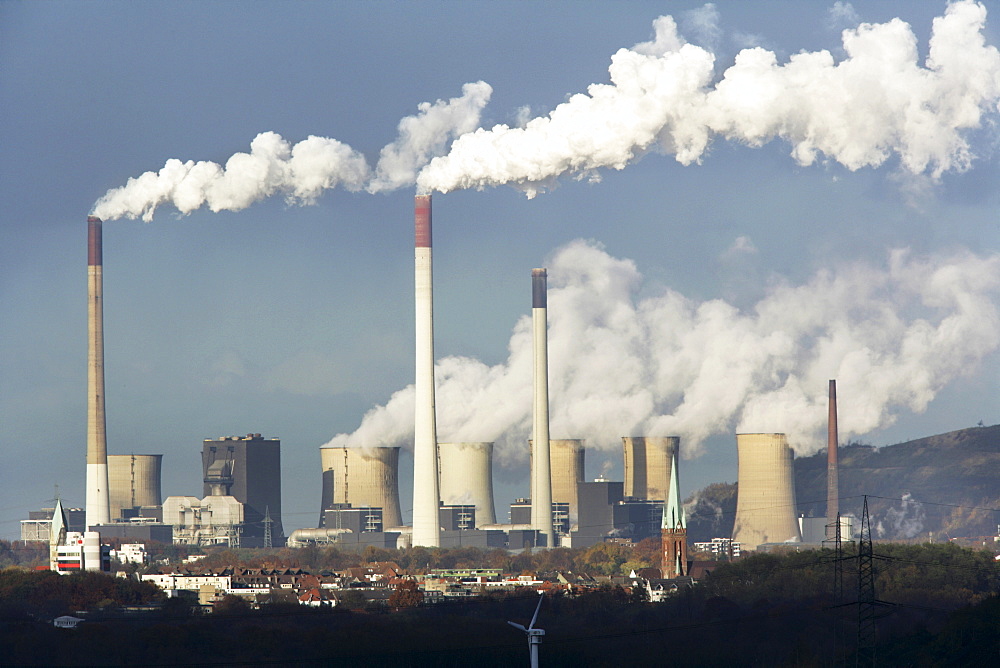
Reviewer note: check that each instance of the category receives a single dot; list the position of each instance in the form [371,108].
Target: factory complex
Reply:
[453,502]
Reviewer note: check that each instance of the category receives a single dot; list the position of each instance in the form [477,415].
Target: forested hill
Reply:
[942,484]
[959,470]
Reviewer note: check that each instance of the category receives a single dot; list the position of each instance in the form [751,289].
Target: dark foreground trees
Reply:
[767,610]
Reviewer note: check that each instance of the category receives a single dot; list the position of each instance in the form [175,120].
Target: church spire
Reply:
[673,529]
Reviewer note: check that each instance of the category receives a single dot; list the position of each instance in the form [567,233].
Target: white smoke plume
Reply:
[301,172]
[904,522]
[877,103]
[892,336]
[427,134]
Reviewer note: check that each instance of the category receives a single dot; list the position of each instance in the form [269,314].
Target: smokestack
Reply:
[541,465]
[765,501]
[98,502]
[426,496]
[832,474]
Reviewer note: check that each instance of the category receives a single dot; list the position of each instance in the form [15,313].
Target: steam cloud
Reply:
[301,172]
[877,103]
[892,336]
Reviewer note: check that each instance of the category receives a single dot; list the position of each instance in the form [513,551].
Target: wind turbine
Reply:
[534,635]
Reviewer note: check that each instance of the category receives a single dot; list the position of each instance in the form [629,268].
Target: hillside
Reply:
[940,485]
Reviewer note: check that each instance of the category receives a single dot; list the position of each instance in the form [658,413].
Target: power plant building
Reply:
[214,520]
[605,512]
[765,503]
[466,477]
[248,469]
[362,477]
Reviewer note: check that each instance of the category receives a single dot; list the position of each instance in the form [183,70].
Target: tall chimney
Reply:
[426,495]
[98,500]
[832,475]
[541,465]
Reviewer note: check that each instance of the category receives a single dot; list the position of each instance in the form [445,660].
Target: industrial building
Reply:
[348,527]
[520,515]
[765,502]
[38,526]
[214,520]
[249,470]
[605,512]
[362,477]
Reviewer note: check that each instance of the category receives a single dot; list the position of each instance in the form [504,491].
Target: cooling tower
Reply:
[426,496]
[567,472]
[98,505]
[133,481]
[832,474]
[466,474]
[765,502]
[648,464]
[363,477]
[541,472]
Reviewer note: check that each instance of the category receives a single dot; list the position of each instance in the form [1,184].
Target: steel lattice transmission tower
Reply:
[267,527]
[866,593]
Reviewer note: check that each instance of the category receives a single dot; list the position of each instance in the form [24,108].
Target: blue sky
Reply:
[294,321]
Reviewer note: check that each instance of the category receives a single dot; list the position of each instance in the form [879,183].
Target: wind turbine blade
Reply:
[518,626]
[538,607]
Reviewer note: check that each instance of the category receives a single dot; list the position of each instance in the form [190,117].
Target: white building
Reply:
[82,552]
[131,553]
[171,583]
[214,520]
[720,547]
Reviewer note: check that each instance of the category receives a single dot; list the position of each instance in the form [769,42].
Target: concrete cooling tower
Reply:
[466,477]
[566,455]
[363,477]
[133,481]
[648,462]
[765,502]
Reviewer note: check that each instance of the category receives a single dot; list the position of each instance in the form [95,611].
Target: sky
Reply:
[734,205]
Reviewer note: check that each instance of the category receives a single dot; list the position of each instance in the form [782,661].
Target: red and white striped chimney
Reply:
[98,504]
[426,493]
[541,464]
